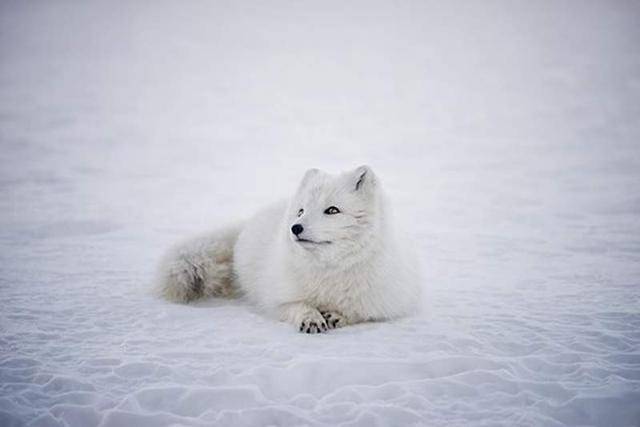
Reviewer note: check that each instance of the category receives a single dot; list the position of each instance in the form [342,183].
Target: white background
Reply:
[506,134]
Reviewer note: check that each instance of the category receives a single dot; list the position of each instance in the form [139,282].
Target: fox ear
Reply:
[363,177]
[309,174]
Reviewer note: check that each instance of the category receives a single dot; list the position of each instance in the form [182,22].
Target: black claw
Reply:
[313,327]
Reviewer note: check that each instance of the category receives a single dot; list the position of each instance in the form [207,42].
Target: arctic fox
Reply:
[326,258]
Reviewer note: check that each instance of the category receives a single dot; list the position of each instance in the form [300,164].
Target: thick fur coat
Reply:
[328,257]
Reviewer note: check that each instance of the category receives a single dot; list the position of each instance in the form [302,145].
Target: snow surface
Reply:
[507,134]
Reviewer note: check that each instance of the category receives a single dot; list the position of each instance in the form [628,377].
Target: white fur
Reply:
[359,269]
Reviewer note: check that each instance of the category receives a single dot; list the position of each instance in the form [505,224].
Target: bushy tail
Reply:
[200,267]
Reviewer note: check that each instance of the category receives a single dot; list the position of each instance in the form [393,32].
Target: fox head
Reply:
[334,218]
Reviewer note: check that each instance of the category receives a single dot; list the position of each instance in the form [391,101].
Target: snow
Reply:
[506,133]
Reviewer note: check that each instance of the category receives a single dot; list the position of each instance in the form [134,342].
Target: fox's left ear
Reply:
[364,178]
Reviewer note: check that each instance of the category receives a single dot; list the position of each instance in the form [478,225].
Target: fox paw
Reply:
[333,318]
[313,326]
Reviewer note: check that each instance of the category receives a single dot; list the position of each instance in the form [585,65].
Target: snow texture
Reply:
[506,133]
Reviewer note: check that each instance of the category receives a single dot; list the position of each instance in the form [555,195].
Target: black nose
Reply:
[297,229]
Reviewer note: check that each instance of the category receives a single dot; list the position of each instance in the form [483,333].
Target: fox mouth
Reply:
[313,242]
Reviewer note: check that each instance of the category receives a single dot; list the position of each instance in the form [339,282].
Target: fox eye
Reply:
[331,210]
[300,212]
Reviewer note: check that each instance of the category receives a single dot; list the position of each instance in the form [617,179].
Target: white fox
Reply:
[326,258]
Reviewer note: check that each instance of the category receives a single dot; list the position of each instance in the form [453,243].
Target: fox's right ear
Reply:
[308,175]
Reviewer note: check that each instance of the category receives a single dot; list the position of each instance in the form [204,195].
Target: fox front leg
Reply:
[304,317]
[334,319]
